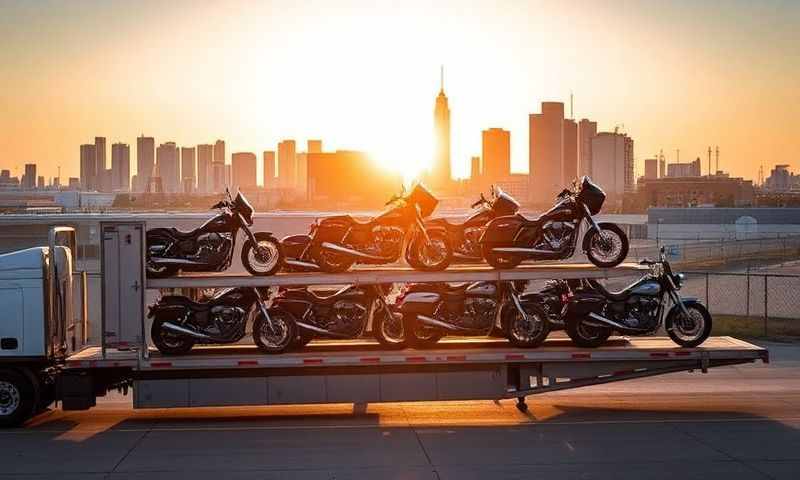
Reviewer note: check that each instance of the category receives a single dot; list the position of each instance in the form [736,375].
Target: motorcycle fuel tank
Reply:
[481,289]
[648,288]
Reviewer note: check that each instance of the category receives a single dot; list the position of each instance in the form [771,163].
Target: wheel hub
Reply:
[9,398]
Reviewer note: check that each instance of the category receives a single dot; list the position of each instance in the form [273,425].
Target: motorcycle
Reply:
[347,313]
[465,237]
[178,323]
[509,240]
[593,314]
[486,308]
[210,247]
[336,243]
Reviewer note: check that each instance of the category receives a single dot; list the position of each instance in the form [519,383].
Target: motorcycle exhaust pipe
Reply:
[319,330]
[438,323]
[351,252]
[308,266]
[521,251]
[614,324]
[185,331]
[169,261]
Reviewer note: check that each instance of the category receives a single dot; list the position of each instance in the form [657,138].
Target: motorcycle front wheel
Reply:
[586,336]
[277,335]
[529,331]
[265,257]
[607,247]
[431,256]
[388,329]
[691,331]
[167,342]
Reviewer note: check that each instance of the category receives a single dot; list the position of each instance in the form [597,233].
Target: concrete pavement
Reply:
[734,422]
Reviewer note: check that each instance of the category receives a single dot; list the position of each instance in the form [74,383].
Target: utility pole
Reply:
[717,157]
[709,161]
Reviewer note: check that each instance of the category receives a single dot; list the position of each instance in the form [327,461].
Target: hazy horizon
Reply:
[364,75]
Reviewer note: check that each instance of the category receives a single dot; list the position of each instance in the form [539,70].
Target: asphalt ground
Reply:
[734,422]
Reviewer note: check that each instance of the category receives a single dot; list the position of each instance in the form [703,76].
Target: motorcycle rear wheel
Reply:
[418,335]
[586,336]
[331,262]
[167,342]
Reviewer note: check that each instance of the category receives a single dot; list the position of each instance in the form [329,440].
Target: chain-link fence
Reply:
[721,251]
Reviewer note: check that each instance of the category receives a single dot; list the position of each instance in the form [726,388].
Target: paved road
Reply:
[735,422]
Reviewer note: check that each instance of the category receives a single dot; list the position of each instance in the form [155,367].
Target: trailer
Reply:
[53,359]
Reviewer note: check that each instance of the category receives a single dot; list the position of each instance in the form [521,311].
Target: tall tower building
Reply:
[168,168]
[218,167]
[650,168]
[100,154]
[88,167]
[586,131]
[315,146]
[29,180]
[269,169]
[570,169]
[120,167]
[546,154]
[145,159]
[496,154]
[243,170]
[205,157]
[612,162]
[440,170]
[287,164]
[188,170]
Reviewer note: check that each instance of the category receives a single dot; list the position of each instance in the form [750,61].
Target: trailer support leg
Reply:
[521,405]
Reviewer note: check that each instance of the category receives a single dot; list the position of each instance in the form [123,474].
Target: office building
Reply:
[496,155]
[680,170]
[145,160]
[100,159]
[40,182]
[475,174]
[120,167]
[243,171]
[546,154]
[269,169]
[586,131]
[188,170]
[88,167]
[205,157]
[168,167]
[440,177]
[693,191]
[217,177]
[570,170]
[287,164]
[29,179]
[315,146]
[612,162]
[650,168]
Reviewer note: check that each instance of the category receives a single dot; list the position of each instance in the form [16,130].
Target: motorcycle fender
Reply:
[585,305]
[294,245]
[420,303]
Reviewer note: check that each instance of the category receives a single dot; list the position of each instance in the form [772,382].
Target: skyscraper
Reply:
[188,170]
[168,168]
[612,162]
[301,184]
[570,169]
[586,131]
[243,171]
[205,157]
[440,170]
[315,146]
[29,180]
[120,167]
[145,159]
[287,164]
[269,169]
[496,154]
[546,154]
[218,166]
[100,157]
[651,168]
[88,167]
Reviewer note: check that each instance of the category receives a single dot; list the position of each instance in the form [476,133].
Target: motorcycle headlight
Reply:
[678,280]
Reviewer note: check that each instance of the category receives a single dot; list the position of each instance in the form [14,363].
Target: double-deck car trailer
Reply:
[46,355]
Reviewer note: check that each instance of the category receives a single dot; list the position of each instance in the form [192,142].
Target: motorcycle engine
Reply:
[209,248]
[224,320]
[472,241]
[346,318]
[636,312]
[475,314]
[386,241]
[557,235]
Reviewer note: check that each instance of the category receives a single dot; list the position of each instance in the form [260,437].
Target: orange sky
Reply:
[364,75]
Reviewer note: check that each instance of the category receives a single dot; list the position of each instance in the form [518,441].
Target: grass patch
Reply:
[780,329]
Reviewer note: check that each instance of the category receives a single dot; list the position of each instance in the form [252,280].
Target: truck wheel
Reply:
[586,336]
[167,342]
[16,398]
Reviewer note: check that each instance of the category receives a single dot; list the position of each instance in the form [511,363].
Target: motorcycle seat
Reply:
[309,295]
[181,234]
[183,301]
[613,296]
[455,289]
[347,219]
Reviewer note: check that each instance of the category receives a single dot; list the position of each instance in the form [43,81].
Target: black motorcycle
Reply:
[335,243]
[348,313]
[593,314]
[431,311]
[210,247]
[509,240]
[465,236]
[179,322]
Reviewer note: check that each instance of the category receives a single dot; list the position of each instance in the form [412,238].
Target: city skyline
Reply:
[384,86]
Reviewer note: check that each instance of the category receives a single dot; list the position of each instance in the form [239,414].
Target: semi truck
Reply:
[47,355]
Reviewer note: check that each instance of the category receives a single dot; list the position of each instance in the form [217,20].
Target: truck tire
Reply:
[17,398]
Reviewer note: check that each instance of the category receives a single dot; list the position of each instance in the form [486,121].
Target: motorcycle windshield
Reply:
[243,207]
[423,198]
[504,204]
